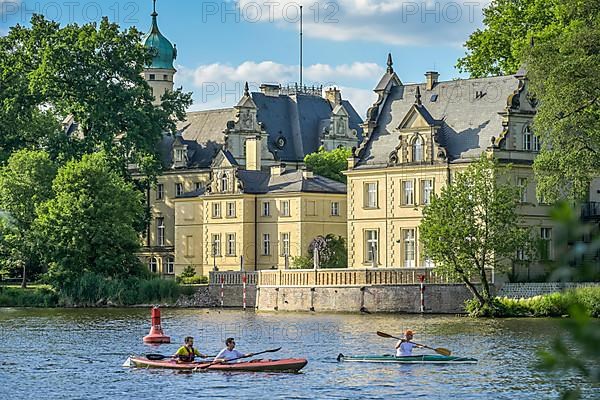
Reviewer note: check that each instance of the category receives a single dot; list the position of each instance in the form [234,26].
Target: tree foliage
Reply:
[565,78]
[92,73]
[508,24]
[25,182]
[332,251]
[92,223]
[473,225]
[329,164]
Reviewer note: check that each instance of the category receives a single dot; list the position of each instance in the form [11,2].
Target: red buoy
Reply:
[156,334]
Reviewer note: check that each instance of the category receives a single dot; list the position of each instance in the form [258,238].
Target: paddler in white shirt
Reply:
[229,352]
[404,347]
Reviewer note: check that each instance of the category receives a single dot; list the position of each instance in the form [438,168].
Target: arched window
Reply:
[418,149]
[224,183]
[170,264]
[153,265]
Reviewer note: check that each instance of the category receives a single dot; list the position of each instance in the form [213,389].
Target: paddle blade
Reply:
[442,351]
[155,357]
[128,363]
[270,351]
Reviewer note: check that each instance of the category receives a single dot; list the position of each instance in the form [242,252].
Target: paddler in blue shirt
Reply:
[229,352]
[187,352]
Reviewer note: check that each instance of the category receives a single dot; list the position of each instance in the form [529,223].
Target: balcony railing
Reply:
[590,211]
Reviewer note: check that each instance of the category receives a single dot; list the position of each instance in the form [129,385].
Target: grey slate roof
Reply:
[467,123]
[299,120]
[259,182]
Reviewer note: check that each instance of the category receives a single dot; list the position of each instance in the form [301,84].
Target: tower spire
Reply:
[390,64]
[154,13]
[418,96]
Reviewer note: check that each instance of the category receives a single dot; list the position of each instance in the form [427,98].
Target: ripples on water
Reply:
[77,354]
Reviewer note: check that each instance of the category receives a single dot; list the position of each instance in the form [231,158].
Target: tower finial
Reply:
[246,90]
[418,96]
[390,63]
[154,13]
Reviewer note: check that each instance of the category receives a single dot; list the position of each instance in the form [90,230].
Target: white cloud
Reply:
[396,22]
[221,85]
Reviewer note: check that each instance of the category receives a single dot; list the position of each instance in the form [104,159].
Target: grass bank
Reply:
[549,305]
[95,291]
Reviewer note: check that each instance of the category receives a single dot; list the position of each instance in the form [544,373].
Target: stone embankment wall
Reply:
[210,296]
[439,299]
[525,290]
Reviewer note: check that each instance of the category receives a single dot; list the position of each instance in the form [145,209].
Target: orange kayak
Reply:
[284,365]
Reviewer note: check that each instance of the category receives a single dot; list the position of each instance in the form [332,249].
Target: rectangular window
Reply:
[165,77]
[408,193]
[522,255]
[285,244]
[527,141]
[198,186]
[160,231]
[371,245]
[426,191]
[189,246]
[429,263]
[179,155]
[178,189]
[266,209]
[216,245]
[231,209]
[536,143]
[522,184]
[152,77]
[160,191]
[371,195]
[335,209]
[216,210]
[311,208]
[409,248]
[266,244]
[231,244]
[546,244]
[285,208]
[170,270]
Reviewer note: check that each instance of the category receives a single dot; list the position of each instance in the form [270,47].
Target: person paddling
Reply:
[187,352]
[404,347]
[229,352]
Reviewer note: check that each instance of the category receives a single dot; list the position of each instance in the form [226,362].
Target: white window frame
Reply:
[371,238]
[409,247]
[153,265]
[266,247]
[418,153]
[179,155]
[179,189]
[266,209]
[285,244]
[224,183]
[335,208]
[426,191]
[527,140]
[536,143]
[216,210]
[546,235]
[170,265]
[160,231]
[285,208]
[216,245]
[408,192]
[199,185]
[522,185]
[231,245]
[231,211]
[160,191]
[371,195]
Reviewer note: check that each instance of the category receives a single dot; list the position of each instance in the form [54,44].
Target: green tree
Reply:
[25,182]
[93,222]
[565,78]
[333,253]
[473,225]
[329,164]
[92,73]
[508,24]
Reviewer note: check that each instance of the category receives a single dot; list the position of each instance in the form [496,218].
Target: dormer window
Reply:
[179,155]
[418,149]
[152,77]
[224,183]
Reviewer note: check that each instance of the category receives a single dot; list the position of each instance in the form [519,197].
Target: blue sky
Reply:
[223,43]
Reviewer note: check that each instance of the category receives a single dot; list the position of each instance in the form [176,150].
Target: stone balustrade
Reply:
[233,278]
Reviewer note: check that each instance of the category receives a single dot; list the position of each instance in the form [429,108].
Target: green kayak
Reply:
[421,359]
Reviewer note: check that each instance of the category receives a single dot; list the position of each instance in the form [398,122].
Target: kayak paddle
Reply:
[439,350]
[238,358]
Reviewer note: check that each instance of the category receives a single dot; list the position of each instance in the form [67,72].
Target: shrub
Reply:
[195,280]
[33,297]
[302,262]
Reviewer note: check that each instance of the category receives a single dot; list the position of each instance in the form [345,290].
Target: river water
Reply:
[78,354]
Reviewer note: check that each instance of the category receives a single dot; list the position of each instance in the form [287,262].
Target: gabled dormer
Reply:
[180,152]
[417,136]
[223,179]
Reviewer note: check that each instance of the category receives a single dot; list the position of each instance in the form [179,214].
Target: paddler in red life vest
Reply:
[229,352]
[187,352]
[404,347]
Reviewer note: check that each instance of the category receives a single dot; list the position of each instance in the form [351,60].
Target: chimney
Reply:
[270,90]
[306,174]
[253,153]
[432,79]
[278,170]
[334,96]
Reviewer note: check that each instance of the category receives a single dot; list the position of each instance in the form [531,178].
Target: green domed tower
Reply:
[160,73]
